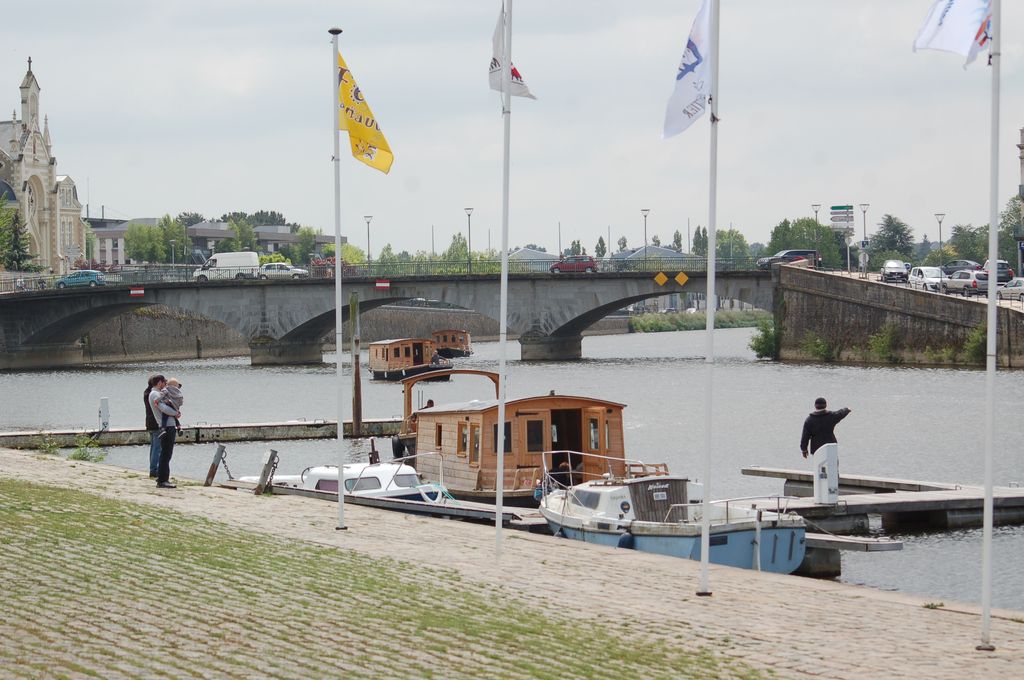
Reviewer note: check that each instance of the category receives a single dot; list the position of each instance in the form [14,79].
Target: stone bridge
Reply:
[285,321]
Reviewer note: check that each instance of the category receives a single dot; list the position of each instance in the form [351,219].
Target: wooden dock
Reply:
[901,504]
[203,434]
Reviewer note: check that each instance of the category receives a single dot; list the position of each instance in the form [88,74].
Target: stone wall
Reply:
[845,312]
[162,333]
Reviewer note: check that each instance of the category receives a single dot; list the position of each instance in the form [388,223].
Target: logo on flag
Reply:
[356,118]
[517,87]
[693,78]
[960,26]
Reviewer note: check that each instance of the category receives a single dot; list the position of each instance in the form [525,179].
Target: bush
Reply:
[975,346]
[657,323]
[86,448]
[816,346]
[883,343]
[47,444]
[767,342]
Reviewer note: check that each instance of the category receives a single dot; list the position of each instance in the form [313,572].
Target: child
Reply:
[173,398]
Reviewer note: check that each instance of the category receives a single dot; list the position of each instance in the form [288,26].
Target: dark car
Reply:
[1003,271]
[790,255]
[957,265]
[574,263]
[894,270]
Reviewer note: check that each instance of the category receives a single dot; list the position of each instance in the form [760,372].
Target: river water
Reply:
[907,422]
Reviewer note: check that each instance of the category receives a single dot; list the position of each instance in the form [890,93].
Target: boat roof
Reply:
[393,340]
[450,330]
[477,405]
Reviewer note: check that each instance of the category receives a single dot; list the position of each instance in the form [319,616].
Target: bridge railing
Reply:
[132,275]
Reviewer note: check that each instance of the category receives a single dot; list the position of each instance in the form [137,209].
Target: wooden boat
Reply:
[452,343]
[629,507]
[464,434]
[404,357]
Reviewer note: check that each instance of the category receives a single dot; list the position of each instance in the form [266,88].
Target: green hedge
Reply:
[657,323]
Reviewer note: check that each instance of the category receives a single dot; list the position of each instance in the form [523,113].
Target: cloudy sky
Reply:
[222,105]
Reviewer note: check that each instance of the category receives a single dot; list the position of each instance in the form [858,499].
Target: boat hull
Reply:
[401,373]
[782,548]
[453,353]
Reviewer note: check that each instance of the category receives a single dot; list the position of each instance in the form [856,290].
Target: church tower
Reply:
[30,99]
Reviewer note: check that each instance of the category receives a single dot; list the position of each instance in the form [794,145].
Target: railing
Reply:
[131,275]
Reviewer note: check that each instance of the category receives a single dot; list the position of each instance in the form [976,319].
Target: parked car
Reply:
[82,277]
[967,282]
[790,255]
[894,270]
[1013,290]
[282,270]
[957,265]
[574,263]
[1003,271]
[926,278]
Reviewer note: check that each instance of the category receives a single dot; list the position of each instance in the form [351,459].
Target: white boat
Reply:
[661,513]
[379,480]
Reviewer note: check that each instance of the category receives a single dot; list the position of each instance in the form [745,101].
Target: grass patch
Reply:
[142,590]
[47,444]
[935,605]
[658,323]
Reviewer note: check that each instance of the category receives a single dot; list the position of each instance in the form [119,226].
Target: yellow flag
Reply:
[356,118]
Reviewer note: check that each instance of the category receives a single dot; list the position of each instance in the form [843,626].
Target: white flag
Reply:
[517,87]
[961,26]
[693,78]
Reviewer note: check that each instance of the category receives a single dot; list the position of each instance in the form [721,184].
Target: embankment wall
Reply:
[845,312]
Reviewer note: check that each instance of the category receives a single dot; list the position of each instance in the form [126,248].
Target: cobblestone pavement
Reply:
[793,626]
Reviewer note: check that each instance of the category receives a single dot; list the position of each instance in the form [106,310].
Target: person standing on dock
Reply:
[152,427]
[167,433]
[819,427]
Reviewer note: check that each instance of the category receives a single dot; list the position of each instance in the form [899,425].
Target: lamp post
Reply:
[816,207]
[172,251]
[864,211]
[939,216]
[645,212]
[469,243]
[368,218]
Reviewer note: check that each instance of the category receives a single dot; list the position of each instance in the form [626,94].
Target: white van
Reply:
[245,265]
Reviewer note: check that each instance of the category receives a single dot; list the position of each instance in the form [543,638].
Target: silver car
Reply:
[1013,290]
[282,270]
[927,278]
[967,282]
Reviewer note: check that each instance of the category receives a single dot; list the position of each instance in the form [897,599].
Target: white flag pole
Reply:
[506,112]
[710,304]
[990,353]
[338,345]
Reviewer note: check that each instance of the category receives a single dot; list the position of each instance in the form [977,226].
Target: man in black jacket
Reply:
[152,427]
[819,426]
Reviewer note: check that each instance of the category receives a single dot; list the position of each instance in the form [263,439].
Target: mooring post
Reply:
[218,456]
[267,473]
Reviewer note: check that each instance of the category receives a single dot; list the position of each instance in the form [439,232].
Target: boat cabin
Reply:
[403,357]
[452,343]
[465,434]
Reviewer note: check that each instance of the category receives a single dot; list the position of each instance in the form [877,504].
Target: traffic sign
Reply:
[661,279]
[842,218]
[842,207]
[682,278]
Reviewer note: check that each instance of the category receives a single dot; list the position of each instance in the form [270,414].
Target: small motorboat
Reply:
[662,513]
[379,480]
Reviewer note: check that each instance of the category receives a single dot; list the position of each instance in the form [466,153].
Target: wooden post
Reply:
[218,456]
[269,465]
[357,392]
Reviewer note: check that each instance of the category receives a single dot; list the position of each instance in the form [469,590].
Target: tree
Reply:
[534,246]
[458,249]
[601,249]
[622,243]
[244,234]
[575,248]
[806,232]
[677,242]
[187,219]
[969,242]
[655,241]
[893,235]
[700,241]
[144,243]
[14,242]
[731,244]
[1011,224]
[173,230]
[305,245]
[922,249]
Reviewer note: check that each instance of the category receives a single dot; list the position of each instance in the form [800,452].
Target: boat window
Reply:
[407,481]
[437,436]
[535,435]
[595,434]
[508,437]
[588,499]
[397,354]
[362,484]
[462,445]
[474,451]
[408,351]
[607,435]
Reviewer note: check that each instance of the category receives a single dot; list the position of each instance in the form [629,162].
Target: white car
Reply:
[927,278]
[1013,290]
[282,270]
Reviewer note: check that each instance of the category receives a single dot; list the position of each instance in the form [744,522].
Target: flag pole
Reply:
[506,112]
[990,353]
[710,304]
[338,344]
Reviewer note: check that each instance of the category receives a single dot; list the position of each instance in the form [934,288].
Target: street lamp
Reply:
[367,218]
[864,210]
[469,244]
[939,217]
[645,212]
[172,251]
[816,207]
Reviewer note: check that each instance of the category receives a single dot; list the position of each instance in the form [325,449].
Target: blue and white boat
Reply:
[377,480]
[661,513]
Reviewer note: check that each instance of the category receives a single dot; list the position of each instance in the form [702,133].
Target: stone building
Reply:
[47,202]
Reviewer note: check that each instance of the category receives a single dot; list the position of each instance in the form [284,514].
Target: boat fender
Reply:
[558,533]
[626,541]
[397,446]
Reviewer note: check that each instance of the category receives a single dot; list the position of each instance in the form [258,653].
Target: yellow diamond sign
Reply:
[660,279]
[682,278]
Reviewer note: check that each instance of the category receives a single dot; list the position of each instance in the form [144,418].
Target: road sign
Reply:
[682,278]
[842,207]
[661,279]
[865,244]
[842,218]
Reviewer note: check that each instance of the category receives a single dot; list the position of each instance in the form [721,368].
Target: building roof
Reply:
[531,254]
[655,253]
